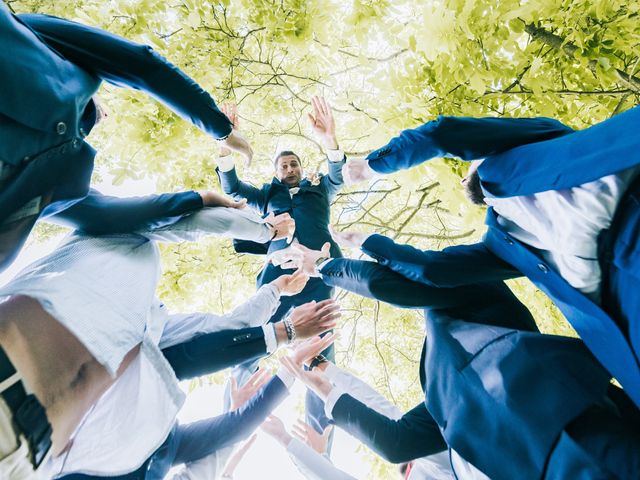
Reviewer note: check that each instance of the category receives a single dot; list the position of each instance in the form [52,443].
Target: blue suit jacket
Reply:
[525,156]
[44,118]
[310,208]
[497,391]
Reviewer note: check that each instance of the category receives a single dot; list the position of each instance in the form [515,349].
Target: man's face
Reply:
[289,170]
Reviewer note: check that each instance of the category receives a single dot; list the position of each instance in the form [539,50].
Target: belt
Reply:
[29,417]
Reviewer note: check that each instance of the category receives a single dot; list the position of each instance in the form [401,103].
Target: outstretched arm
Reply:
[412,436]
[464,137]
[99,214]
[125,63]
[452,267]
[199,439]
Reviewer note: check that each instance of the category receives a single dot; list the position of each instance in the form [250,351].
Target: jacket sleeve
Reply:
[452,267]
[232,185]
[412,436]
[208,353]
[128,64]
[464,137]
[99,214]
[256,311]
[371,280]
[213,221]
[333,181]
[199,439]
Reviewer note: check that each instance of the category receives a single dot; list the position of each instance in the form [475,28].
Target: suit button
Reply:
[543,268]
[61,128]
[26,159]
[508,240]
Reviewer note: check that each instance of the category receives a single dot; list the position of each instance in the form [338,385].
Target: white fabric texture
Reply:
[102,290]
[564,225]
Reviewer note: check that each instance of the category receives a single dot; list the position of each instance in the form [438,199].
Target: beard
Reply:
[473,190]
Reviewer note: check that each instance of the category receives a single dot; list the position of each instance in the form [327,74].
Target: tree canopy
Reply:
[385,66]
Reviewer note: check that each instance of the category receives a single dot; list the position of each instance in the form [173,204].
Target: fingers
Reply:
[240,204]
[270,219]
[294,369]
[259,378]
[249,442]
[326,249]
[234,386]
[299,429]
[312,119]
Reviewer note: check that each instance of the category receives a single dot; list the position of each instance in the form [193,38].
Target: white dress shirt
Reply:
[564,225]
[102,289]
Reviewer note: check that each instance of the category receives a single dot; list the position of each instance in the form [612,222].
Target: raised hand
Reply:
[291,284]
[299,256]
[240,396]
[282,226]
[322,123]
[303,352]
[314,318]
[215,199]
[348,239]
[314,379]
[357,170]
[274,427]
[235,141]
[306,433]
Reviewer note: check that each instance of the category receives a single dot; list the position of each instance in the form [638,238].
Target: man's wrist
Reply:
[331,143]
[317,361]
[225,163]
[281,333]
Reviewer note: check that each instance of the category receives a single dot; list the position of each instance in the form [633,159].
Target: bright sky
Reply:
[266,459]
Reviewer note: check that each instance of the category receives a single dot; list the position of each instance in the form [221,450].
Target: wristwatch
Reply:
[317,360]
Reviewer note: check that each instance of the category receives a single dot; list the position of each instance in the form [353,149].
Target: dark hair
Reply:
[473,190]
[285,153]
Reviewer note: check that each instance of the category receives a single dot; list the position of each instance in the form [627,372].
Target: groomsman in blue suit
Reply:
[505,399]
[564,211]
[50,70]
[307,200]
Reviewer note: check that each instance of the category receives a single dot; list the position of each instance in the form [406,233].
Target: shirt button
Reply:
[508,240]
[61,128]
[543,268]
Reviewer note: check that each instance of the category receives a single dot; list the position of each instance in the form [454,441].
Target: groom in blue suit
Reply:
[564,212]
[507,400]
[50,70]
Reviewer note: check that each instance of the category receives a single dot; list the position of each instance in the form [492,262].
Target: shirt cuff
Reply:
[321,266]
[331,371]
[270,339]
[272,292]
[335,155]
[225,164]
[286,377]
[332,399]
